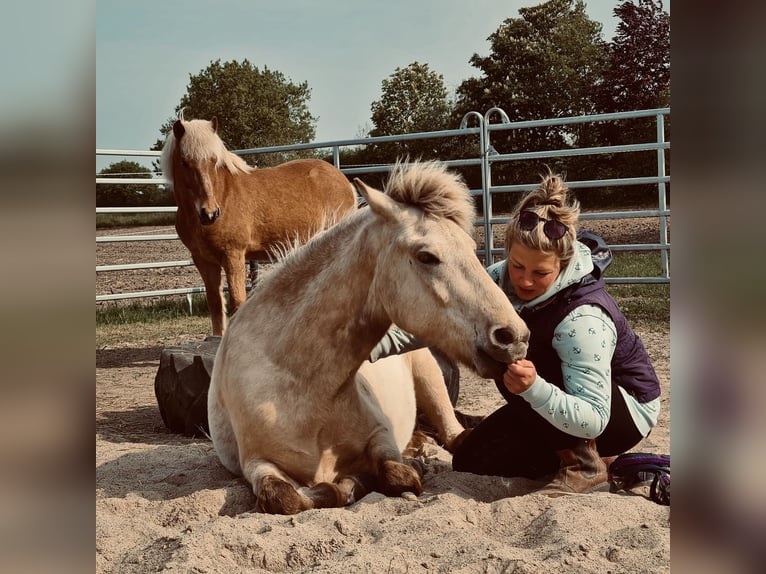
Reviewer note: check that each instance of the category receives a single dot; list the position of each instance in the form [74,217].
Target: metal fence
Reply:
[474,124]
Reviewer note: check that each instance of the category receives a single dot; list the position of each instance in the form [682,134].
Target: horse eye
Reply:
[427,258]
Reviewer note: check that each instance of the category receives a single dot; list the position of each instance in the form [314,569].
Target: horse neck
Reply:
[327,315]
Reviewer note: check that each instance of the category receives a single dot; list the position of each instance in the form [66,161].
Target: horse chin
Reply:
[491,367]
[487,366]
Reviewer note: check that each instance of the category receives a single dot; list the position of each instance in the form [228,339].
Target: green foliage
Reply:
[541,65]
[413,100]
[130,195]
[255,108]
[637,76]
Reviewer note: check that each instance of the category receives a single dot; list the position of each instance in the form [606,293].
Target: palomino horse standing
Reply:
[294,407]
[229,212]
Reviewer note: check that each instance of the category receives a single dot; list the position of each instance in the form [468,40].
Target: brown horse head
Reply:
[191,159]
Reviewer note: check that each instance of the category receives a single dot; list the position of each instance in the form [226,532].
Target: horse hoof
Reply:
[278,497]
[398,478]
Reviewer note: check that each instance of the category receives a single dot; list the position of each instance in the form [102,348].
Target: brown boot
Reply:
[581,469]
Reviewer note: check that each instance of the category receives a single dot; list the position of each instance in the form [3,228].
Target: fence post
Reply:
[486,151]
[662,199]
[484,187]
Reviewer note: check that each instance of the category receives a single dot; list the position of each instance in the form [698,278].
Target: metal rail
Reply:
[493,121]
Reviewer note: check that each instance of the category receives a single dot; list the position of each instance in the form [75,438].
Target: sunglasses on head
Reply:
[552,228]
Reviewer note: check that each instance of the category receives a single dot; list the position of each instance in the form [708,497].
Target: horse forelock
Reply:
[199,143]
[431,187]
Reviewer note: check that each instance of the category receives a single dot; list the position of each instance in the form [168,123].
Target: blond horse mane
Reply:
[429,186]
[200,142]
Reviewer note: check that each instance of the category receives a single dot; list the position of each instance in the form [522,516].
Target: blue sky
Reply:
[344,49]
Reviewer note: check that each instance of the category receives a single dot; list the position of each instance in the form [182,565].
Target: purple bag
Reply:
[632,468]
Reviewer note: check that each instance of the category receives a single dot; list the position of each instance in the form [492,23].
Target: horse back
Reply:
[293,200]
[311,182]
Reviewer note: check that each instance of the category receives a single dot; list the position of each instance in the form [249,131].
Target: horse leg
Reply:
[347,490]
[275,492]
[211,277]
[394,476]
[234,267]
[432,397]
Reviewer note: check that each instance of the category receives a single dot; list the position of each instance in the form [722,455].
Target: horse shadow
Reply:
[107,358]
[172,472]
[141,424]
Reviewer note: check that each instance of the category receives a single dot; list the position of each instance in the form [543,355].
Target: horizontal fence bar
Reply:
[579,119]
[133,180]
[147,153]
[124,238]
[636,280]
[157,209]
[590,183]
[578,151]
[133,266]
[490,156]
[159,293]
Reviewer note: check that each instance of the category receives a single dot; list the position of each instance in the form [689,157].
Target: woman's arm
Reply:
[584,341]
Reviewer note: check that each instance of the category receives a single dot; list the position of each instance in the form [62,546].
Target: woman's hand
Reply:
[519,376]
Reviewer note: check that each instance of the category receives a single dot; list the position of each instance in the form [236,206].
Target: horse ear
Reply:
[178,129]
[214,121]
[380,204]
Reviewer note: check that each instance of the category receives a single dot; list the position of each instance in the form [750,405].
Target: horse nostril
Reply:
[504,336]
[206,219]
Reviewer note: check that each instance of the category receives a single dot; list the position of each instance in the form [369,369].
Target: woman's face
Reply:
[531,271]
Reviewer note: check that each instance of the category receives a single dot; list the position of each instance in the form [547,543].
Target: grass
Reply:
[166,318]
[111,220]
[642,304]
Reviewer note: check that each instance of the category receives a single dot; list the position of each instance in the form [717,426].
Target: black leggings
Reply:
[517,441]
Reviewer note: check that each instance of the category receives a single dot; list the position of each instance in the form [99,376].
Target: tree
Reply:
[130,195]
[637,76]
[255,108]
[413,99]
[541,65]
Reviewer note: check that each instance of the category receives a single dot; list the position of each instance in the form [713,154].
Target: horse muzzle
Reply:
[504,346]
[206,218]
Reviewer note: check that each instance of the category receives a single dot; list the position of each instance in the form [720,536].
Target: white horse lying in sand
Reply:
[293,405]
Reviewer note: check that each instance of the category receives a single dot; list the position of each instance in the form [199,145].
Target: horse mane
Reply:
[429,186]
[200,142]
[285,249]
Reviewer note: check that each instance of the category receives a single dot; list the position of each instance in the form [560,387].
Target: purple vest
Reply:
[631,366]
